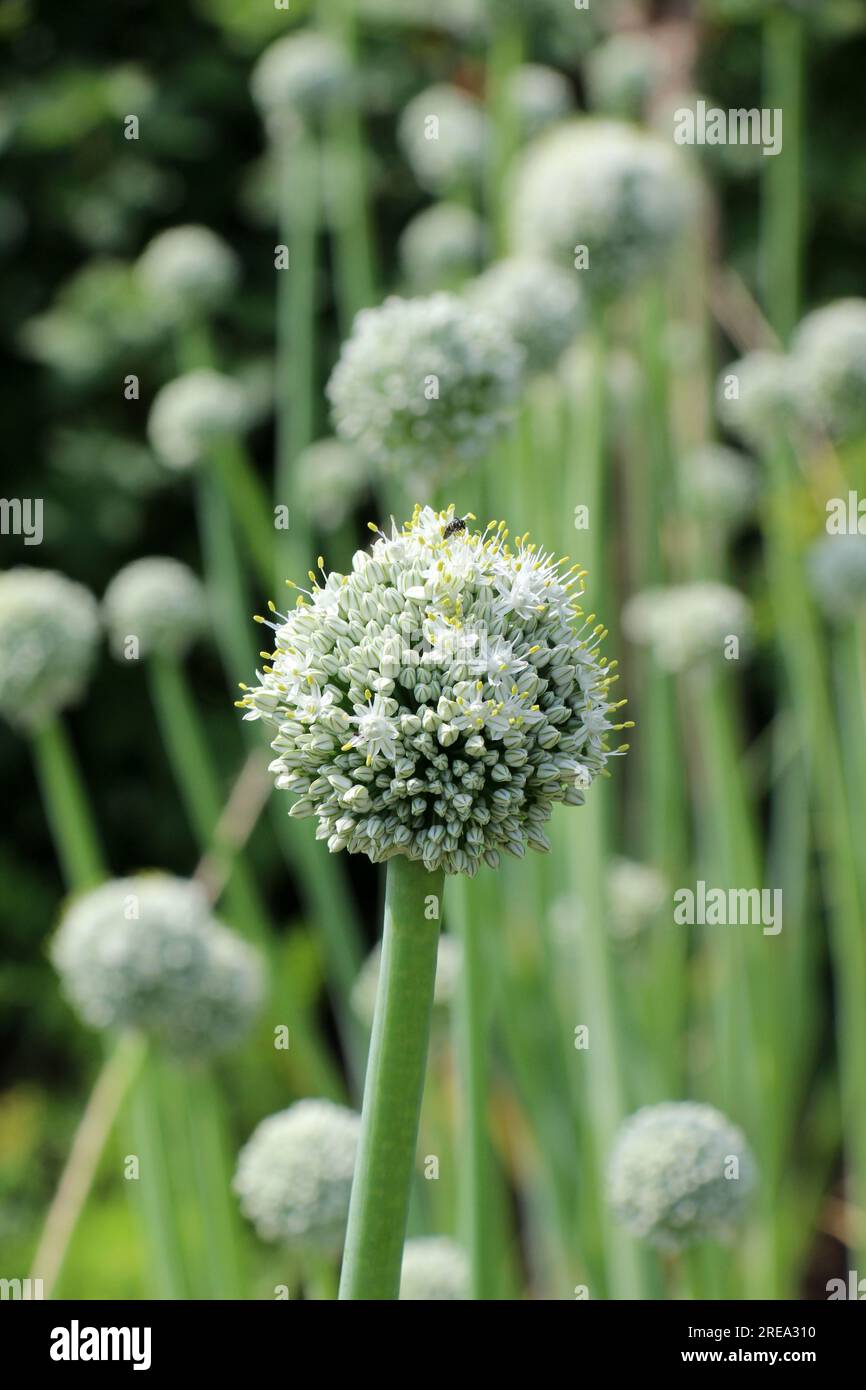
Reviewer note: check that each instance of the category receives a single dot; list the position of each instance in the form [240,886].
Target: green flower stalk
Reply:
[429,709]
[49,632]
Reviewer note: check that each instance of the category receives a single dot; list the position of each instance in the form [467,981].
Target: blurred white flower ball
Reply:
[157,600]
[449,968]
[439,699]
[621,192]
[538,96]
[756,397]
[441,247]
[189,270]
[332,479]
[685,625]
[680,1172]
[444,134]
[194,412]
[829,356]
[294,1176]
[299,76]
[420,380]
[636,893]
[434,1268]
[622,74]
[721,484]
[145,953]
[837,571]
[538,304]
[49,630]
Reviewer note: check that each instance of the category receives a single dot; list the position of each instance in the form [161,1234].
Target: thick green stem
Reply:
[782,213]
[159,1207]
[213,1176]
[473,1035]
[394,1085]
[67,807]
[249,504]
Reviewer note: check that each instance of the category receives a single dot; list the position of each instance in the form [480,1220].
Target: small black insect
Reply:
[458,524]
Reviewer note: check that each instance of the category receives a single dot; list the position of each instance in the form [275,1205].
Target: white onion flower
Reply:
[622,74]
[837,571]
[189,270]
[449,968]
[441,246]
[764,403]
[145,954]
[685,625]
[192,413]
[157,600]
[636,893]
[299,77]
[680,1172]
[829,358]
[294,1176]
[444,134]
[439,700]
[423,379]
[620,192]
[721,484]
[538,304]
[538,96]
[434,1268]
[49,630]
[332,479]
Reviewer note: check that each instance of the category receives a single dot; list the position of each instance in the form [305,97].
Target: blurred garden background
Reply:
[121,123]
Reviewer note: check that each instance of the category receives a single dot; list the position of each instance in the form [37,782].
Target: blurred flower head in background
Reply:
[294,1177]
[837,571]
[829,361]
[192,414]
[441,247]
[159,601]
[687,625]
[49,632]
[424,380]
[610,187]
[755,397]
[679,1173]
[297,78]
[188,271]
[434,1268]
[146,954]
[444,134]
[537,303]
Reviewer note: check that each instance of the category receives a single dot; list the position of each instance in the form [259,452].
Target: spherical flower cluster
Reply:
[636,893]
[623,73]
[755,397]
[837,571]
[439,699]
[604,185]
[444,133]
[721,484]
[193,413]
[294,1176]
[449,968]
[537,303]
[299,76]
[434,1268]
[332,479]
[157,600]
[189,270]
[49,629]
[144,953]
[687,624]
[538,96]
[441,247]
[680,1172]
[829,353]
[423,379]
